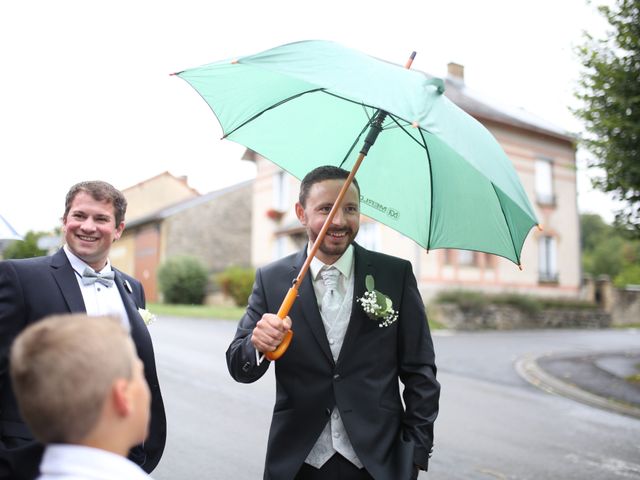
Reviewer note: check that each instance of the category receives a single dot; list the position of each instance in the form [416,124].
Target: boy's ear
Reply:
[120,397]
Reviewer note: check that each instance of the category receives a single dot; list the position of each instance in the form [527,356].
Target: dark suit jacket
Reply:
[363,383]
[30,290]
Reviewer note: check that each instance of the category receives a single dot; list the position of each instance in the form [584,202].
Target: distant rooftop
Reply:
[177,207]
[479,105]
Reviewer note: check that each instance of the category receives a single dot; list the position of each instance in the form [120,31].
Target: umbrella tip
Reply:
[520,266]
[539,227]
[234,61]
[414,124]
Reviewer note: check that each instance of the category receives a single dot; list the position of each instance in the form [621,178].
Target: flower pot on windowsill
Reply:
[274,214]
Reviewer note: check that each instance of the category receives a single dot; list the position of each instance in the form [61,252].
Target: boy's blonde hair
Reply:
[63,368]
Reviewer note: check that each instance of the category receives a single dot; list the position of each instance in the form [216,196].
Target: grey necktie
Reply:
[331,300]
[89,277]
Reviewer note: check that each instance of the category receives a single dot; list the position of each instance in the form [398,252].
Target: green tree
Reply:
[26,248]
[629,275]
[592,229]
[606,258]
[183,280]
[609,90]
[609,250]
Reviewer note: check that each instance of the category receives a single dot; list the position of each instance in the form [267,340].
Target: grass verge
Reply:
[223,313]
[197,311]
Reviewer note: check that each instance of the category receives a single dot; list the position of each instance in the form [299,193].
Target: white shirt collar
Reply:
[71,462]
[79,265]
[344,264]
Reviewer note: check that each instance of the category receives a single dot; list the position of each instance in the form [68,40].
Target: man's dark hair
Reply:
[320,174]
[100,191]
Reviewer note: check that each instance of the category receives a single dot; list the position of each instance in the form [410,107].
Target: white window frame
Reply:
[547,259]
[281,191]
[545,194]
[369,236]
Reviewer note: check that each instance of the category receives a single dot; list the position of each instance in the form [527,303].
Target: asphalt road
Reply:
[492,423]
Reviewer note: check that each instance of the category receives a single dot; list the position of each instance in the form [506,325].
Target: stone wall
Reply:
[626,308]
[504,317]
[622,303]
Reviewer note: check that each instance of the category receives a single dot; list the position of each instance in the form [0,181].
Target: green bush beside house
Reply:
[183,280]
[237,283]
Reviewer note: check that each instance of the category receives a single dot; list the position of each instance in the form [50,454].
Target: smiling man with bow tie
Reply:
[77,278]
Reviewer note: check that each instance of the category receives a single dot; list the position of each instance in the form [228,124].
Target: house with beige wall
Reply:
[544,157]
[171,219]
[147,196]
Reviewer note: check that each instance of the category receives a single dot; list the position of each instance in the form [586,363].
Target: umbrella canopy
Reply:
[435,174]
[7,232]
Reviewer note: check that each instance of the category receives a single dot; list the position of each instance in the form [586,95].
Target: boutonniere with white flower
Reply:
[376,305]
[147,317]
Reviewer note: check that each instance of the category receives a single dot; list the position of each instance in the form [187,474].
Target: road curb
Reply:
[528,368]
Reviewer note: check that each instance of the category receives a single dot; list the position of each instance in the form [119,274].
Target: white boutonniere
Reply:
[147,317]
[377,305]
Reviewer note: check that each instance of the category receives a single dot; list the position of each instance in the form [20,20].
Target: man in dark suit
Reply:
[78,278]
[338,413]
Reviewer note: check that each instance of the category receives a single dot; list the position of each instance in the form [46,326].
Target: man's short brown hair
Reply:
[63,368]
[320,174]
[102,192]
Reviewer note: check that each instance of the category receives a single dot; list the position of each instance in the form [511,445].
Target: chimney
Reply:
[456,71]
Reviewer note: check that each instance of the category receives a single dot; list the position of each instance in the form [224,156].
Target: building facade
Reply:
[544,158]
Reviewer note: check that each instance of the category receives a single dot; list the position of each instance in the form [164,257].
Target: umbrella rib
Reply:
[355,142]
[426,149]
[430,189]
[271,107]
[366,112]
[423,145]
[513,244]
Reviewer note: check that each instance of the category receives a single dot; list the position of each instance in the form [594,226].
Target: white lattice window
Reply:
[369,236]
[547,259]
[544,181]
[281,191]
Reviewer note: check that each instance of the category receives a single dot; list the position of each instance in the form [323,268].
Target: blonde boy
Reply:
[81,389]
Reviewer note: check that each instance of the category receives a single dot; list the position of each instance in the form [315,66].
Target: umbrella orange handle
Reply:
[286,305]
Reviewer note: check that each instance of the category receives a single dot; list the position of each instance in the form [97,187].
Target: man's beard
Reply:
[337,250]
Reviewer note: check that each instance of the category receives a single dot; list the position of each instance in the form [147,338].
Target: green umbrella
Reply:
[435,174]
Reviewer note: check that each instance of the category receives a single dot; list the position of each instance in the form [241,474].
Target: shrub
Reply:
[237,283]
[471,300]
[465,299]
[183,280]
[524,303]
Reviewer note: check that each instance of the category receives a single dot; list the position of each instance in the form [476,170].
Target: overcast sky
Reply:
[86,93]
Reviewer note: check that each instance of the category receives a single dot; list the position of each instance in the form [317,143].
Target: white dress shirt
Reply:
[76,462]
[98,299]
[334,437]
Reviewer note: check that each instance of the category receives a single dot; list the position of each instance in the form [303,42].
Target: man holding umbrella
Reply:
[360,326]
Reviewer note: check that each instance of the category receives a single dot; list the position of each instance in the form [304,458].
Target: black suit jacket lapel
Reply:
[66,279]
[309,307]
[362,268]
[139,332]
